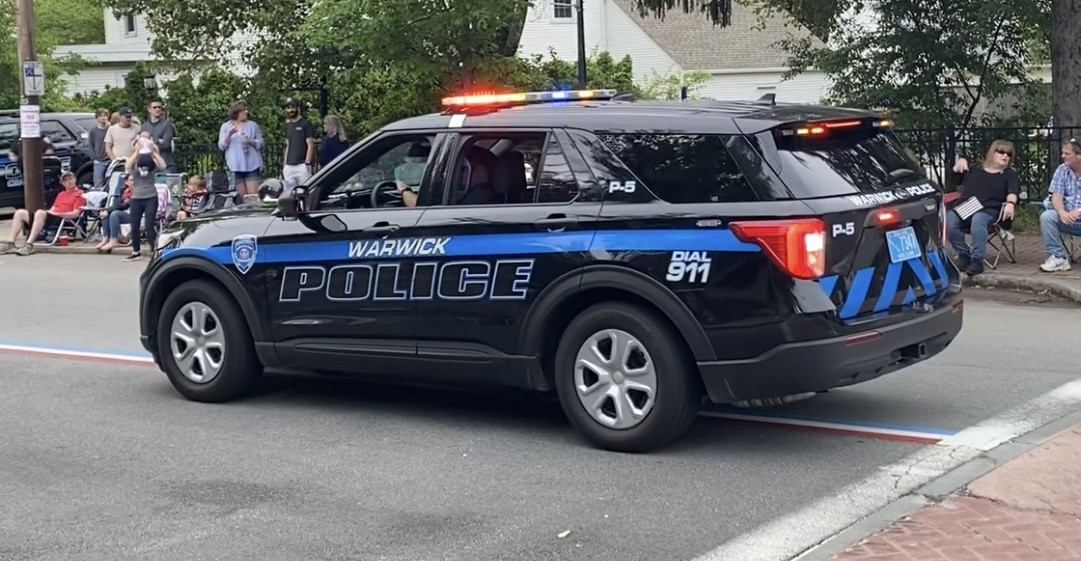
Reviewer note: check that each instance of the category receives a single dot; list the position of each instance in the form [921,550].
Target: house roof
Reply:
[696,44]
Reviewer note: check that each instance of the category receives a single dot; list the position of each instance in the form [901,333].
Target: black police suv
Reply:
[661,254]
[68,136]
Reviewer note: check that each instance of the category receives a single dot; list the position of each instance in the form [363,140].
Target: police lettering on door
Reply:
[379,279]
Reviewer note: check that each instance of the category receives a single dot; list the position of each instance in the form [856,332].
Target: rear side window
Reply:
[683,168]
[836,163]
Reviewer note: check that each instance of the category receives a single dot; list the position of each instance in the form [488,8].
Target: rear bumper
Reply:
[819,365]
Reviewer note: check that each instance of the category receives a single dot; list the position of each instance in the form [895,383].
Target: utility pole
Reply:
[32,81]
[581,47]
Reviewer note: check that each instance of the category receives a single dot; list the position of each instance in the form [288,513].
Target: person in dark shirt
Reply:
[334,140]
[162,131]
[989,194]
[97,146]
[299,145]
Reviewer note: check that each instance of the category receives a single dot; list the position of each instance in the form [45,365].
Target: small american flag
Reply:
[966,209]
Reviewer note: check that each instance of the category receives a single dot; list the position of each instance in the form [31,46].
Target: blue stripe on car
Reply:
[528,243]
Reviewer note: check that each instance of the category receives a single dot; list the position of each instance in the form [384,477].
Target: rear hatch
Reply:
[885,221]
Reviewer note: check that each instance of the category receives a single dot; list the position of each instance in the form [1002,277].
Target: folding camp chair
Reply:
[1000,240]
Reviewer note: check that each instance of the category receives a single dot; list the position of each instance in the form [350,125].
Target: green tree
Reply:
[59,22]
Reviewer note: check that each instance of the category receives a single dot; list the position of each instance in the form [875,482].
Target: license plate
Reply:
[903,245]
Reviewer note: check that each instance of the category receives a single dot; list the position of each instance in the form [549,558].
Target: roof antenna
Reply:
[770,98]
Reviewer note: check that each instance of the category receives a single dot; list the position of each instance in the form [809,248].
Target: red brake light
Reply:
[887,216]
[797,246]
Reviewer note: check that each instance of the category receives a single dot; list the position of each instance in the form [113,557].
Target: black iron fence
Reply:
[938,149]
[1037,152]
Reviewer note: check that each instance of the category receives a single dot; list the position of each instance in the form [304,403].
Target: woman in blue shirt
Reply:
[242,141]
[334,140]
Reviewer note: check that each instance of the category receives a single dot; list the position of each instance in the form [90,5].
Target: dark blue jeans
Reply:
[978,226]
[141,209]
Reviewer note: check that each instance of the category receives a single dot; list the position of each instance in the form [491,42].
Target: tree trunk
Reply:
[511,34]
[1066,64]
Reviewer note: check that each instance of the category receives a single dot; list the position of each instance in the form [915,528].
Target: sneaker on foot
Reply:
[7,248]
[975,268]
[963,262]
[1055,264]
[26,249]
[132,257]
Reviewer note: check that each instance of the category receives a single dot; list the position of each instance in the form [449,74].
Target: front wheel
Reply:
[625,379]
[205,344]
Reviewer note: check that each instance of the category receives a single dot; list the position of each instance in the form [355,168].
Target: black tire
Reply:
[678,393]
[241,369]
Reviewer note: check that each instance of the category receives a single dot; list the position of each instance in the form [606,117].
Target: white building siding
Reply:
[808,87]
[96,79]
[543,31]
[116,32]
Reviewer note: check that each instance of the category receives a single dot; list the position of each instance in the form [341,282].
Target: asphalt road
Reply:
[105,461]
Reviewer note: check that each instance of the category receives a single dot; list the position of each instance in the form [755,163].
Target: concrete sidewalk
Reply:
[1027,509]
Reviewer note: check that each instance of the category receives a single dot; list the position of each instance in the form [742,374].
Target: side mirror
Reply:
[289,205]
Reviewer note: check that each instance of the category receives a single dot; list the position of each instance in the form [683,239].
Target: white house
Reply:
[743,59]
[127,41]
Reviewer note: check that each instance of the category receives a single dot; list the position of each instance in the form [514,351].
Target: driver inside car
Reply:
[408,174]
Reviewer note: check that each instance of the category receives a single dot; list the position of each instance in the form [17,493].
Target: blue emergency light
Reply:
[524,98]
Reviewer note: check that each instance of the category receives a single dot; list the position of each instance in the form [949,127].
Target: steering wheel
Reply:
[386,189]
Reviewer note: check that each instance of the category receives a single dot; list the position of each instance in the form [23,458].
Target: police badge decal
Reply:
[244,250]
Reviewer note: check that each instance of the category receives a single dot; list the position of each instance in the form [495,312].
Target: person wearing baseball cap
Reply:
[120,138]
[69,203]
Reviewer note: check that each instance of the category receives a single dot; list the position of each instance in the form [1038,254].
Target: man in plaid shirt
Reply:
[1064,213]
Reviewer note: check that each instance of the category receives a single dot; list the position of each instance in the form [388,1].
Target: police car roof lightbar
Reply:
[824,126]
[524,98]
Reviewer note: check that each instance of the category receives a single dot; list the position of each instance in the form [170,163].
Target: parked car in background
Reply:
[69,134]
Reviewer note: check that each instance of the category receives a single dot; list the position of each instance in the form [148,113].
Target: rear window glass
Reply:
[843,163]
[9,133]
[683,168]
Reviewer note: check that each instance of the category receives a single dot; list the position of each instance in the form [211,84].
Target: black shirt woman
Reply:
[989,194]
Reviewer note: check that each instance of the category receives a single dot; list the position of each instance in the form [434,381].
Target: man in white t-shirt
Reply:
[120,138]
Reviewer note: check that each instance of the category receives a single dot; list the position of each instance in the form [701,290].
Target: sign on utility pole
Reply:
[32,79]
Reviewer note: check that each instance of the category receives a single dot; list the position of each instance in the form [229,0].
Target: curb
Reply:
[1066,290]
[937,490]
[78,249]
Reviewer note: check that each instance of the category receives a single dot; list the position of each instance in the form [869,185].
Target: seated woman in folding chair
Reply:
[988,195]
[68,204]
[113,217]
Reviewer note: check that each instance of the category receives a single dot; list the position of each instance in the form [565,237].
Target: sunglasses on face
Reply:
[155,107]
[1004,151]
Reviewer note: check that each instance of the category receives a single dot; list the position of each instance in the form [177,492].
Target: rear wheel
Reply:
[205,344]
[625,379]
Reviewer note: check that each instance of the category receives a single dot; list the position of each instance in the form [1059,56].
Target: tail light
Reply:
[797,246]
[888,216]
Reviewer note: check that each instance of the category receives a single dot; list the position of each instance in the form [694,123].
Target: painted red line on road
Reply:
[76,355]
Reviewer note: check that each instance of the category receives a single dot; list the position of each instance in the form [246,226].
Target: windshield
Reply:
[845,163]
[9,133]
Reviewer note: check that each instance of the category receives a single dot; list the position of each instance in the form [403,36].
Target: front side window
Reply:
[683,168]
[9,135]
[380,167]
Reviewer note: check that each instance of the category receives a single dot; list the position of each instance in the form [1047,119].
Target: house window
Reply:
[129,25]
[562,9]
